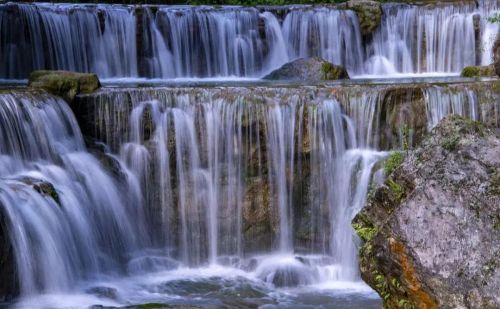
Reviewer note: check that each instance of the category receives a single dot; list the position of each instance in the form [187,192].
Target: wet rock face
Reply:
[431,232]
[310,69]
[496,55]
[9,285]
[9,281]
[369,14]
[63,83]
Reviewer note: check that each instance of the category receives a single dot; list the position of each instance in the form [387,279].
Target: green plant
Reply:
[365,233]
[396,189]
[451,143]
[494,19]
[393,162]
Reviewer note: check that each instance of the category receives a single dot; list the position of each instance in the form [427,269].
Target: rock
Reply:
[369,14]
[430,232]
[63,83]
[479,71]
[103,292]
[402,125]
[9,285]
[496,55]
[310,69]
[43,187]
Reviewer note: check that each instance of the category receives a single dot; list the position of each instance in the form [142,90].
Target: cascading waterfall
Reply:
[420,39]
[167,42]
[261,182]
[68,219]
[76,38]
[219,158]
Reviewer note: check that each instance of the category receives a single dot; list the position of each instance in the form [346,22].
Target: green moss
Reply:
[364,232]
[451,143]
[495,184]
[470,71]
[393,162]
[396,189]
[48,190]
[478,71]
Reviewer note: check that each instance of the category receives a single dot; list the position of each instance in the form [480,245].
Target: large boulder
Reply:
[63,83]
[310,69]
[431,232]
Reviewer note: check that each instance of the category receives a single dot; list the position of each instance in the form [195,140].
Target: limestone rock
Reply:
[63,83]
[430,232]
[310,69]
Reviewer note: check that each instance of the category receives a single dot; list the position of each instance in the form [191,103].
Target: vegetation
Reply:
[478,71]
[393,162]
[494,19]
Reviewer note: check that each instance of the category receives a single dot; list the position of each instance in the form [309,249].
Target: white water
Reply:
[192,169]
[170,42]
[89,229]
[98,234]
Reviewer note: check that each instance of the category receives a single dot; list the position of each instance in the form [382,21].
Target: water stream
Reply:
[167,42]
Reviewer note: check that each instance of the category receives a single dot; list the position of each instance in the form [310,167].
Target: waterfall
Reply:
[222,161]
[416,39]
[331,34]
[168,42]
[263,181]
[67,37]
[67,218]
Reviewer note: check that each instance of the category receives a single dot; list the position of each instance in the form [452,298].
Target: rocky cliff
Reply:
[431,232]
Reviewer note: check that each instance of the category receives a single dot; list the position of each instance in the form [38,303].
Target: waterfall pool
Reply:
[214,286]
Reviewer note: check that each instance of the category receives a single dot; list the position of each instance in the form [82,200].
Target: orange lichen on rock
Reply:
[418,295]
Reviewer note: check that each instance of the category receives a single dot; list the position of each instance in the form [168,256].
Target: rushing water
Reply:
[179,194]
[235,196]
[118,41]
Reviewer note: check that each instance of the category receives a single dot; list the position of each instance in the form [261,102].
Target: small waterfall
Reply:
[331,34]
[67,218]
[78,38]
[442,101]
[415,39]
[168,42]
[225,164]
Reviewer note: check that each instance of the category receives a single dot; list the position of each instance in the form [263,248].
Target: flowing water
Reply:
[168,42]
[215,196]
[219,190]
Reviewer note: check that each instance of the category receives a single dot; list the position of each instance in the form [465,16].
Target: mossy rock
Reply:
[308,69]
[478,71]
[63,83]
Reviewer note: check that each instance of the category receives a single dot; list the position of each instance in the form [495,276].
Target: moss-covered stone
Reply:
[63,83]
[333,72]
[478,71]
[47,189]
[308,69]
